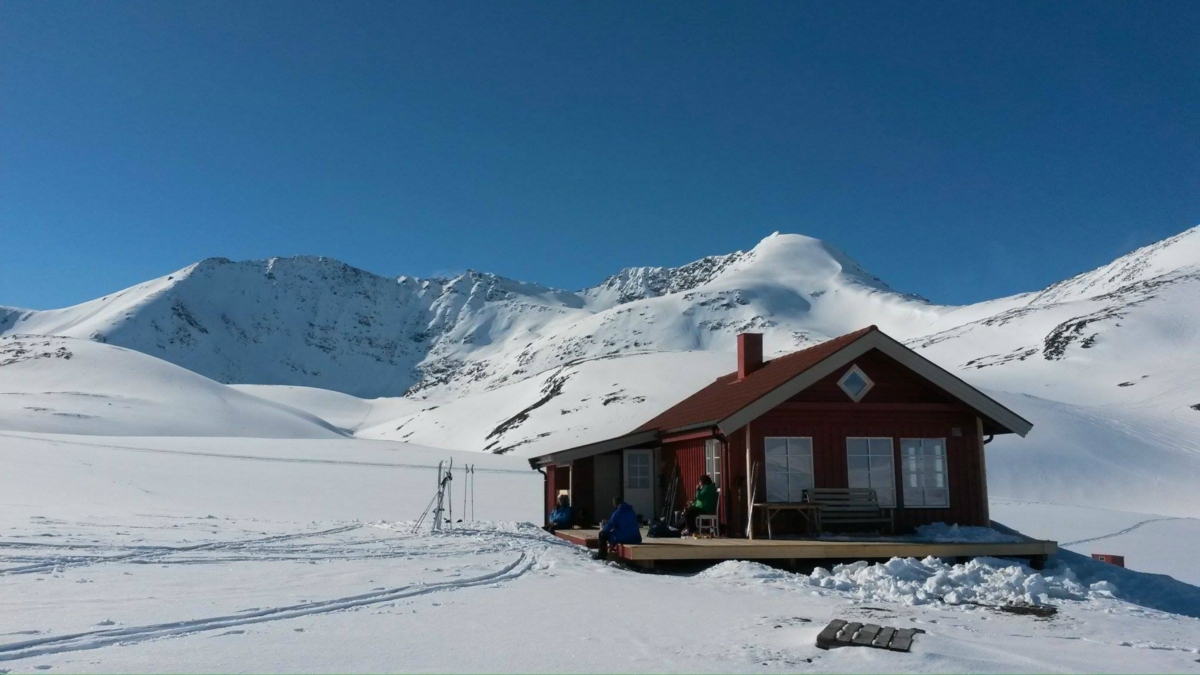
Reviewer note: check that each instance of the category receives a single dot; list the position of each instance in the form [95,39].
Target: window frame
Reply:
[629,474]
[712,460]
[854,369]
[788,472]
[922,456]
[891,457]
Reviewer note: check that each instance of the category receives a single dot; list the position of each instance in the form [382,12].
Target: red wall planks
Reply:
[830,429]
[689,456]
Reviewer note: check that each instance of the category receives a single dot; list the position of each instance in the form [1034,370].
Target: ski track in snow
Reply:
[1127,530]
[253,458]
[274,548]
[103,638]
[143,554]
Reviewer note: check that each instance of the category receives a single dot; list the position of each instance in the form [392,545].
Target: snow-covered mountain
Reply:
[494,364]
[317,322]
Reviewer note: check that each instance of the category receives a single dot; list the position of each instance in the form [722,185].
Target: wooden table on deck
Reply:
[810,511]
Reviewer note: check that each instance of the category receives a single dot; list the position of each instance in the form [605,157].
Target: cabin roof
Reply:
[727,394]
[729,403]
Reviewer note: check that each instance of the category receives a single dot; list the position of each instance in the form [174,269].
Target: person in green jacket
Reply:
[705,503]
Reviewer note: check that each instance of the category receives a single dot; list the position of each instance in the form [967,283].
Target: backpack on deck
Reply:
[660,530]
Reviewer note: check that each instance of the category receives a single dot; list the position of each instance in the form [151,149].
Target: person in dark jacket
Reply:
[563,516]
[705,503]
[620,528]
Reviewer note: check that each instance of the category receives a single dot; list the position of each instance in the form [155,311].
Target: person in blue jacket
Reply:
[563,516]
[620,528]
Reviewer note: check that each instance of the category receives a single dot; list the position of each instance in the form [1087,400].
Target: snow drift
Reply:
[69,386]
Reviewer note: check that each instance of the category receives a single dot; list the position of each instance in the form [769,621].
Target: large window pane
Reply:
[925,473]
[869,464]
[788,467]
[857,446]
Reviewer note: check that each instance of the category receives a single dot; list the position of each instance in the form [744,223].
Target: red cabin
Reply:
[858,411]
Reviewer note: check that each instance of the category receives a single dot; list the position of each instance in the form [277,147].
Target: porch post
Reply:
[749,489]
[983,490]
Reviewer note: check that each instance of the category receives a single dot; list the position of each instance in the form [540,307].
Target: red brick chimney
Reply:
[750,354]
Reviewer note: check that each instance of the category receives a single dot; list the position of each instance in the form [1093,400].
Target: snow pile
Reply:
[983,581]
[742,570]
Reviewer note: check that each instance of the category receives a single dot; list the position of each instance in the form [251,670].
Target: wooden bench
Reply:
[849,506]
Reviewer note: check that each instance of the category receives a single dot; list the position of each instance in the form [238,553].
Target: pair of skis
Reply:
[439,502]
[442,503]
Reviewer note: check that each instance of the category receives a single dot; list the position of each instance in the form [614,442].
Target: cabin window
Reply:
[869,464]
[789,464]
[924,466]
[637,470]
[855,383]
[712,460]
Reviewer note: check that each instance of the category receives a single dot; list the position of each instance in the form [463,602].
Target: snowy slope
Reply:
[575,404]
[1124,335]
[1096,457]
[262,555]
[65,385]
[343,411]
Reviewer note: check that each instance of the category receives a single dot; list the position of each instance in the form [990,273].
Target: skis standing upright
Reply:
[441,499]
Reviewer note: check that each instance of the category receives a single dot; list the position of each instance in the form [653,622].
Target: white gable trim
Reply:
[922,366]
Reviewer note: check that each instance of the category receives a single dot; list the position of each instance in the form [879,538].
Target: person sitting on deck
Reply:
[563,516]
[705,504]
[620,528]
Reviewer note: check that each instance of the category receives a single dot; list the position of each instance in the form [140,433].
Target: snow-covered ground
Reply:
[233,555]
[1149,542]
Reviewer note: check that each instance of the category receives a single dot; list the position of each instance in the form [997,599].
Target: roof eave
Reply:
[591,449]
[689,427]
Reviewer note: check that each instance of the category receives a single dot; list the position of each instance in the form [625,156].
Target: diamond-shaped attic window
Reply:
[855,383]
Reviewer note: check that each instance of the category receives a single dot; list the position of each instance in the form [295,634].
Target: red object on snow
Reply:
[1118,560]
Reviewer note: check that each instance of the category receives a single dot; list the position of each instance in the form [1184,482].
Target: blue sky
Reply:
[958,150]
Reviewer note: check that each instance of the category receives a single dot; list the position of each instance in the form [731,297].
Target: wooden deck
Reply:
[653,550]
[581,537]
